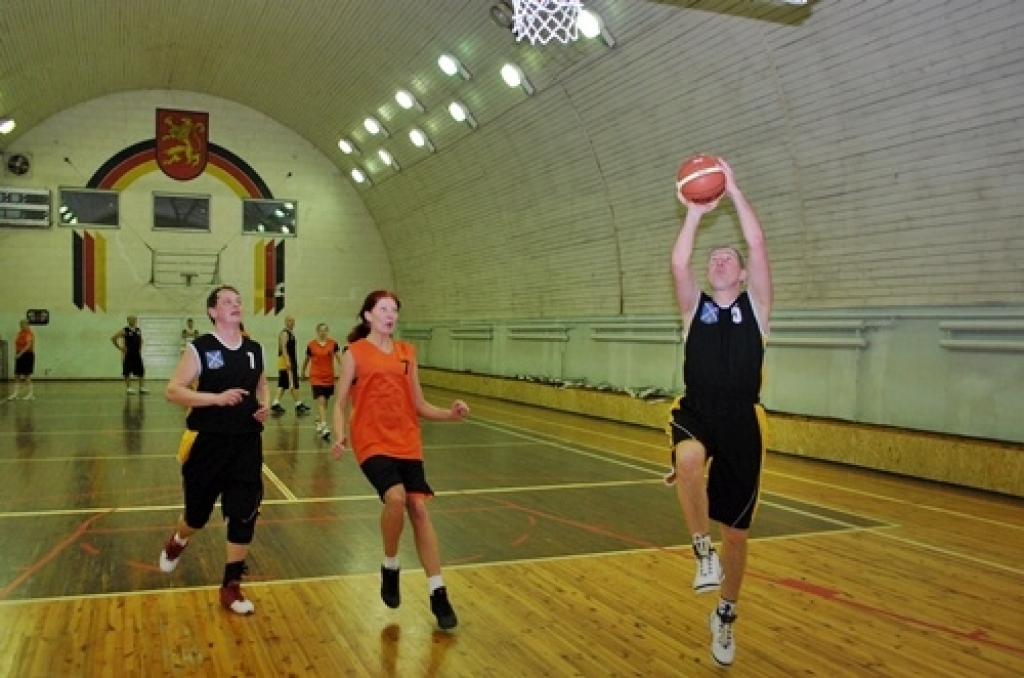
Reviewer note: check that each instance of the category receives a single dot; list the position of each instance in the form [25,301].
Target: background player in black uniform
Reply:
[128,341]
[719,418]
[288,369]
[222,450]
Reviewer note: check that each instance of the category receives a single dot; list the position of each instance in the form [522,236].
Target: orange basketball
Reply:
[701,179]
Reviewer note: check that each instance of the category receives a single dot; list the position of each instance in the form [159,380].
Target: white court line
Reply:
[45,513]
[271,453]
[289,495]
[515,431]
[768,471]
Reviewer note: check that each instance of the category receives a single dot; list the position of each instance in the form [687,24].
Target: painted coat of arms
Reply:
[182,143]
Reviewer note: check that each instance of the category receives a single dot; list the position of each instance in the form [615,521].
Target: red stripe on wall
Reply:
[270,267]
[89,272]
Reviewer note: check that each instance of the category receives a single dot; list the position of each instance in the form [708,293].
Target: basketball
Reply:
[701,179]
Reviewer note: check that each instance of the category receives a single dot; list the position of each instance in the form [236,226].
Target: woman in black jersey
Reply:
[222,449]
[719,418]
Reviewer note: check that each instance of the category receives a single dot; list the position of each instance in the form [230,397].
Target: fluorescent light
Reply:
[591,25]
[513,77]
[406,100]
[452,66]
[419,139]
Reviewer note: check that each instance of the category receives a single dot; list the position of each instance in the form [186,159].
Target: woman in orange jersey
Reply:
[24,361]
[379,375]
[322,354]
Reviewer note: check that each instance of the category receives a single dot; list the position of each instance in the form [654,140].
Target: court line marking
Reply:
[279,484]
[780,474]
[681,550]
[125,456]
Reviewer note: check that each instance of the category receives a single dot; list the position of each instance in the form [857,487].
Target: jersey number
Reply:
[252,360]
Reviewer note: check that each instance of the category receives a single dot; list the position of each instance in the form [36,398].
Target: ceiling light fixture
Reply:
[374,127]
[419,139]
[460,113]
[406,100]
[452,66]
[514,77]
[347,147]
[591,25]
[7,125]
[388,159]
[359,176]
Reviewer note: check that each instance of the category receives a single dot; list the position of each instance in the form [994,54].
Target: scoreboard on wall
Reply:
[25,207]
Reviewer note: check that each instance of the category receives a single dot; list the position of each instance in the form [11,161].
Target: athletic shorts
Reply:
[282,378]
[325,392]
[386,472]
[132,365]
[226,466]
[25,364]
[732,434]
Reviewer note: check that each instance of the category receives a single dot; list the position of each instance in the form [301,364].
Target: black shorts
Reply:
[386,472]
[226,466]
[282,378]
[325,392]
[25,364]
[732,433]
[132,365]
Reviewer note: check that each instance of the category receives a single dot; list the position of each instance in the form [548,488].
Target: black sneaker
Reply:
[277,409]
[442,609]
[301,409]
[389,591]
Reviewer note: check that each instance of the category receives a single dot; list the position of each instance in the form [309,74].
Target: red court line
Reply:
[54,552]
[977,635]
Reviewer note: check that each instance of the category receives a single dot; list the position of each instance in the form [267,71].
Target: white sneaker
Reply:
[28,397]
[325,433]
[13,396]
[143,390]
[130,391]
[709,574]
[723,644]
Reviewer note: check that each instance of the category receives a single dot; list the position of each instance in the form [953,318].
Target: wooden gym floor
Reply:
[564,555]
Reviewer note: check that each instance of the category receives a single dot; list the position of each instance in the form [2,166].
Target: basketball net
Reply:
[541,21]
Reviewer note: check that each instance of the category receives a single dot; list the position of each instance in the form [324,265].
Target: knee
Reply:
[690,459]
[395,498]
[733,537]
[417,508]
[241,531]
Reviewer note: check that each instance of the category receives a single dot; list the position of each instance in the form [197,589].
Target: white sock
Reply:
[434,583]
[391,563]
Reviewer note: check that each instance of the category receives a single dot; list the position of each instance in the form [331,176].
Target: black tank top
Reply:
[289,347]
[221,368]
[724,353]
[132,339]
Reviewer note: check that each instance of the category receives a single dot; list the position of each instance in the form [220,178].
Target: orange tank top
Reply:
[384,419]
[321,362]
[21,341]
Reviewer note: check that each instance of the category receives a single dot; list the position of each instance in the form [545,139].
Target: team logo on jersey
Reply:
[214,360]
[737,315]
[709,313]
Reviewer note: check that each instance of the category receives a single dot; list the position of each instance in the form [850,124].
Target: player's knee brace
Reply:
[241,531]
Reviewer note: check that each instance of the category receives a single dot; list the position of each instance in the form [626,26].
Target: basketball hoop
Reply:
[541,21]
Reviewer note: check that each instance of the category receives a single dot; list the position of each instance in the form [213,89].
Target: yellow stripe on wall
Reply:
[99,271]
